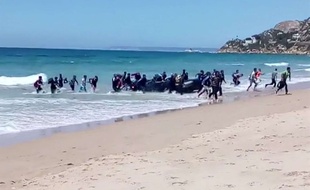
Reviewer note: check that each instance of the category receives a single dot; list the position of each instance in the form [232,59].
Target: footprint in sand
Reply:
[179,183]
[273,170]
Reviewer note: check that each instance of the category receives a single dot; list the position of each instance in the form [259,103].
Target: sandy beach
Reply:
[258,143]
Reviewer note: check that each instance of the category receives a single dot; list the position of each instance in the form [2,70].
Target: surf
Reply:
[280,64]
[25,80]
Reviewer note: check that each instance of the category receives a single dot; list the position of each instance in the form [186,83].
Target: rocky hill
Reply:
[288,37]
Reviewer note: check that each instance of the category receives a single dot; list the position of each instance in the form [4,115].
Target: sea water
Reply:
[21,109]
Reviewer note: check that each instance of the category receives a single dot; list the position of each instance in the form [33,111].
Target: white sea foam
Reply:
[13,81]
[53,112]
[236,64]
[304,65]
[307,69]
[280,64]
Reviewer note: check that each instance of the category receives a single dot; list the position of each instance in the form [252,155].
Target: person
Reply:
[200,75]
[179,81]
[53,84]
[252,79]
[83,84]
[184,75]
[38,84]
[258,74]
[164,76]
[93,82]
[72,83]
[236,78]
[117,82]
[206,83]
[56,81]
[222,79]
[124,77]
[215,84]
[128,81]
[137,76]
[172,83]
[273,79]
[60,81]
[141,84]
[282,84]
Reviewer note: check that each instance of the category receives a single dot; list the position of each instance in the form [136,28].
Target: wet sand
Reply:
[187,149]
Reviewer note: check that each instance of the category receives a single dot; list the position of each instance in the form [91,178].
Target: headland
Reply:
[287,37]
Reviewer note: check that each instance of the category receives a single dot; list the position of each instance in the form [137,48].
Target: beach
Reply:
[257,143]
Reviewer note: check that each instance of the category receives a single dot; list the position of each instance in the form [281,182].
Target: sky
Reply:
[98,24]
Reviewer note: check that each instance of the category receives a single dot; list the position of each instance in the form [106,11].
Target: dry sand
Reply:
[260,143]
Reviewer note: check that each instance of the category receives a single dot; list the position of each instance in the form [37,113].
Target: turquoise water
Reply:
[21,110]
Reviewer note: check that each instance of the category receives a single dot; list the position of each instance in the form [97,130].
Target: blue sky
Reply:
[159,23]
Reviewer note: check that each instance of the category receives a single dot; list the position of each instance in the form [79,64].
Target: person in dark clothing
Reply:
[141,84]
[53,84]
[273,79]
[38,84]
[222,79]
[236,77]
[117,83]
[215,84]
[60,81]
[56,81]
[164,76]
[179,81]
[72,83]
[137,76]
[158,78]
[200,75]
[172,81]
[185,77]
[124,77]
[206,83]
[128,81]
[282,84]
[93,82]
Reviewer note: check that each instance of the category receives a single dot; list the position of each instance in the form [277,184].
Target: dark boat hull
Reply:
[189,86]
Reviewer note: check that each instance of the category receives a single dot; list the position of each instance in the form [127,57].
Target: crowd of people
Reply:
[210,82]
[57,83]
[254,78]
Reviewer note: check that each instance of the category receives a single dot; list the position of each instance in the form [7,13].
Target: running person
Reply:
[215,84]
[273,79]
[253,79]
[282,84]
[206,83]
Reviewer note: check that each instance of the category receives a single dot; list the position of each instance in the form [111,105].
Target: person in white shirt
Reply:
[83,84]
[253,79]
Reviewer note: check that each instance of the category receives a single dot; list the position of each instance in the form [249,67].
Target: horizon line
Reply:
[114,48]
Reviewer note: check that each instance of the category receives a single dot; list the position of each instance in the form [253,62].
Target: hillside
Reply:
[288,37]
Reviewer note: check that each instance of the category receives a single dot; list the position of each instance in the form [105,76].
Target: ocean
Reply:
[23,110]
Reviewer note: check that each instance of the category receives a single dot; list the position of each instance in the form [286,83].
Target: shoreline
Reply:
[8,139]
[62,151]
[265,53]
